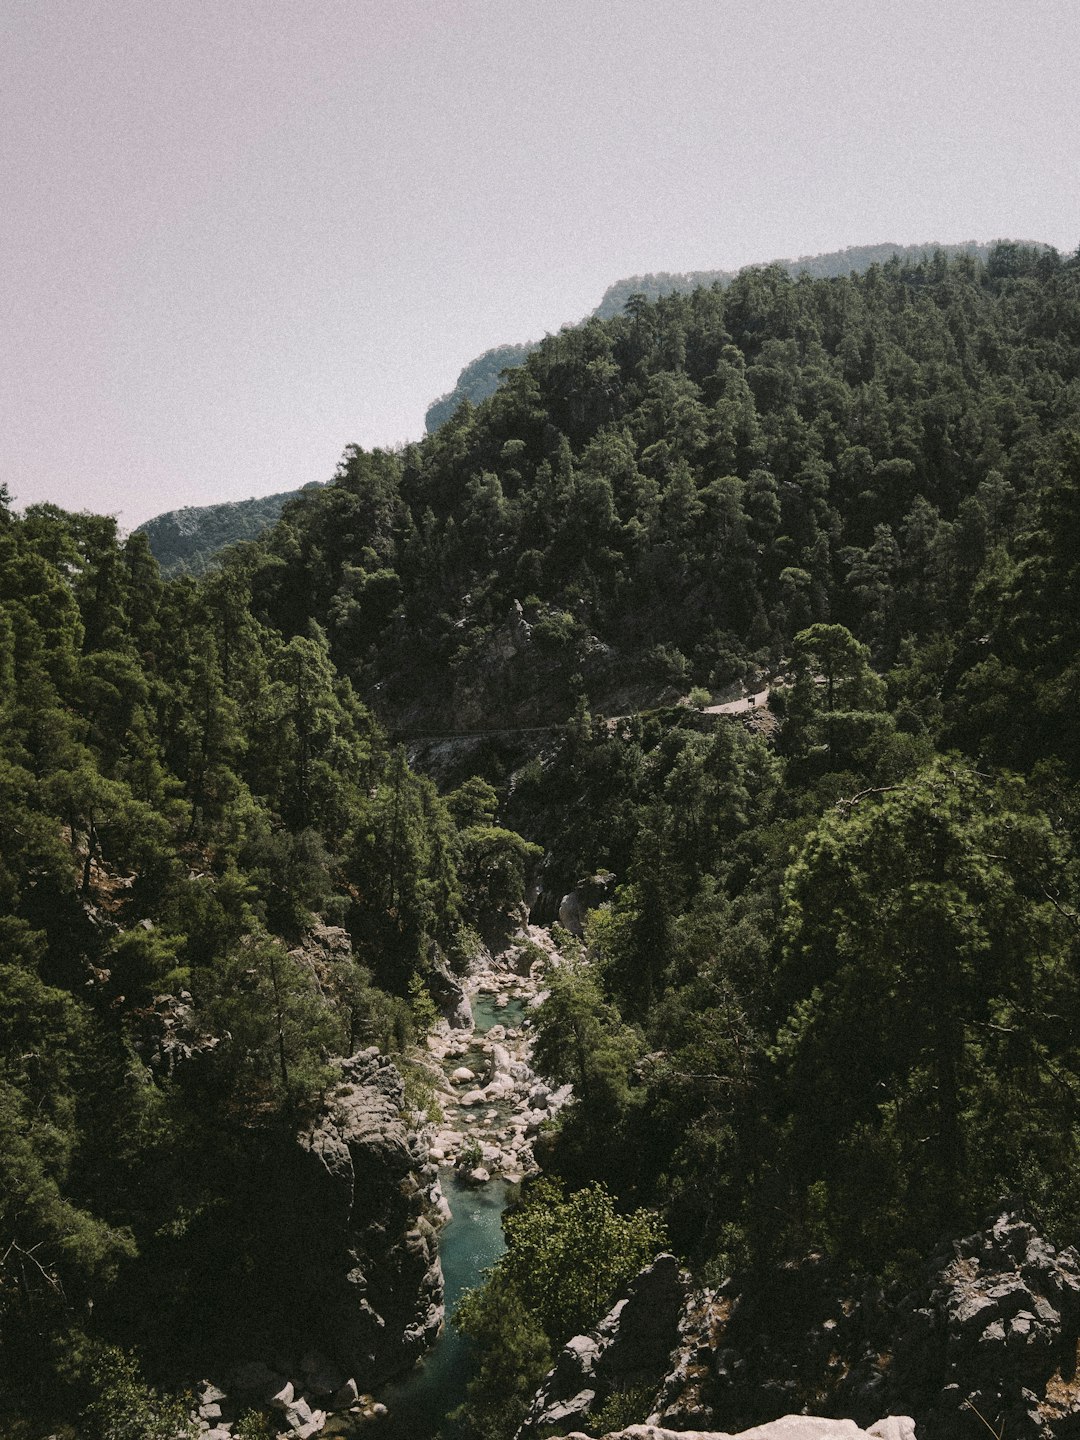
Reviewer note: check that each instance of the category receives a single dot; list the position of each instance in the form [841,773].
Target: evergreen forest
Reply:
[832,1003]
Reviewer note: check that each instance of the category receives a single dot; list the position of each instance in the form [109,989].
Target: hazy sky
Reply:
[237,235]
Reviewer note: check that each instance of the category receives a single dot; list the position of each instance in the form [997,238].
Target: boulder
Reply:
[586,895]
[449,996]
[345,1397]
[499,1061]
[630,1347]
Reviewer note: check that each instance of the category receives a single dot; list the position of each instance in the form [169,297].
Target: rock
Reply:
[462,1075]
[357,1204]
[791,1427]
[297,1412]
[567,1412]
[283,1398]
[346,1396]
[586,895]
[477,1176]
[449,996]
[984,1322]
[630,1347]
[498,1061]
[638,1335]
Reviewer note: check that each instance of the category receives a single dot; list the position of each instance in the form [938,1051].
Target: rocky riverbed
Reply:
[367,1161]
[492,1102]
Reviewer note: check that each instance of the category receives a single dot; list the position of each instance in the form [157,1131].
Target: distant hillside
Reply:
[189,541]
[856,259]
[480,378]
[477,381]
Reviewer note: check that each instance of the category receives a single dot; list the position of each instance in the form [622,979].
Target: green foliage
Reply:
[925,941]
[622,1409]
[828,997]
[566,1259]
[514,1352]
[187,794]
[424,1012]
[124,1407]
[568,1256]
[254,1425]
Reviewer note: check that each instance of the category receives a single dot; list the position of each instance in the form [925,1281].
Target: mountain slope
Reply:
[667,497]
[188,541]
[480,378]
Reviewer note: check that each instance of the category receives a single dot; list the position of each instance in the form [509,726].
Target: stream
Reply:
[471,1242]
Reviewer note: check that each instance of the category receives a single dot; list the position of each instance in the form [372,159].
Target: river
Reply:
[471,1242]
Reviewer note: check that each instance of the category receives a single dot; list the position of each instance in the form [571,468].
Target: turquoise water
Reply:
[485,1014]
[471,1242]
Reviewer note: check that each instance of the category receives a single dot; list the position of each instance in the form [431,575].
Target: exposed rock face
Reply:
[993,1323]
[450,997]
[367,1196]
[791,1427]
[998,1330]
[586,895]
[630,1347]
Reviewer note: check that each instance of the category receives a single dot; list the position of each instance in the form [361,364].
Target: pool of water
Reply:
[472,1241]
[486,1013]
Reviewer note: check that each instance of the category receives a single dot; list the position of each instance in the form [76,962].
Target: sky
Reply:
[239,235]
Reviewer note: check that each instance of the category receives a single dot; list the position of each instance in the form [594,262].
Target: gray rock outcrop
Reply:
[448,994]
[630,1347]
[367,1193]
[791,1427]
[990,1329]
[586,895]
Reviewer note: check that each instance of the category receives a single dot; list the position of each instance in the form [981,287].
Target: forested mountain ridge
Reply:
[829,1006]
[833,264]
[480,378]
[188,541]
[666,498]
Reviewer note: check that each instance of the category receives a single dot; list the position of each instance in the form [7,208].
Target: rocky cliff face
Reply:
[989,1332]
[990,1329]
[366,1194]
[349,1290]
[629,1348]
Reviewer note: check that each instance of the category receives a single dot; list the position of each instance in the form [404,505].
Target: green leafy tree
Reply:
[928,973]
[566,1259]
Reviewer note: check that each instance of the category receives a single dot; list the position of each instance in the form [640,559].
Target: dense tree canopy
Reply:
[831,1001]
